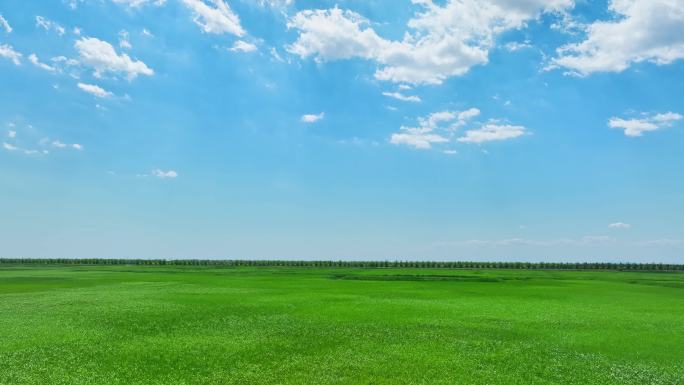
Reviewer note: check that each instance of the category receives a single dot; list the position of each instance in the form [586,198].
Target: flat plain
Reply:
[132,325]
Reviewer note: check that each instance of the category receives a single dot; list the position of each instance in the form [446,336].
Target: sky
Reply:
[530,130]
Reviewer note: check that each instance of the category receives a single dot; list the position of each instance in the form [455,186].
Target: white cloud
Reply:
[278,4]
[276,55]
[73,4]
[517,46]
[568,24]
[95,90]
[5,24]
[217,19]
[49,25]
[123,40]
[468,114]
[61,145]
[492,132]
[12,148]
[437,127]
[11,134]
[146,32]
[63,60]
[416,138]
[34,60]
[637,126]
[619,225]
[164,174]
[640,30]
[102,57]
[8,52]
[312,118]
[139,3]
[442,41]
[402,97]
[9,147]
[242,46]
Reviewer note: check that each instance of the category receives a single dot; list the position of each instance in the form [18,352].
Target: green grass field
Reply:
[161,325]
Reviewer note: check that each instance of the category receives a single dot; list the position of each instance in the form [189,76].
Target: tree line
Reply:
[355,264]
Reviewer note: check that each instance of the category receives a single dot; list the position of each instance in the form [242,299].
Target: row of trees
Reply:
[361,264]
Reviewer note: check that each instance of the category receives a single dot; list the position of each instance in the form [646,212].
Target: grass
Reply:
[162,325]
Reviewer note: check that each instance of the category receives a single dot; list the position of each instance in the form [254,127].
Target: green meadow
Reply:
[133,325]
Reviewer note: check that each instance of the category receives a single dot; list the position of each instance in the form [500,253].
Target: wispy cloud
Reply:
[243,46]
[312,118]
[8,52]
[491,132]
[619,225]
[5,24]
[36,62]
[637,126]
[169,174]
[132,4]
[50,25]
[95,90]
[402,97]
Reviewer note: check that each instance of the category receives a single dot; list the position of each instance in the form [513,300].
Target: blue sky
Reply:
[458,129]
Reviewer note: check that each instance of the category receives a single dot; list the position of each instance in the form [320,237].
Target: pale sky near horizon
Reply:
[350,129]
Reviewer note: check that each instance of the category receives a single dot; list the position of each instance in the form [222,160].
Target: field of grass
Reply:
[122,325]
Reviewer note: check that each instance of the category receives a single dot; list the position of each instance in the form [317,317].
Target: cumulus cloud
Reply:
[637,126]
[218,19]
[164,174]
[639,31]
[492,132]
[5,24]
[49,25]
[8,52]
[11,134]
[103,58]
[437,127]
[312,118]
[418,138]
[441,41]
[95,90]
[243,46]
[402,97]
[619,225]
[36,62]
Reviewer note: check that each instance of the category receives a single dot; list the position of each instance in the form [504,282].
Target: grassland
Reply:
[119,325]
